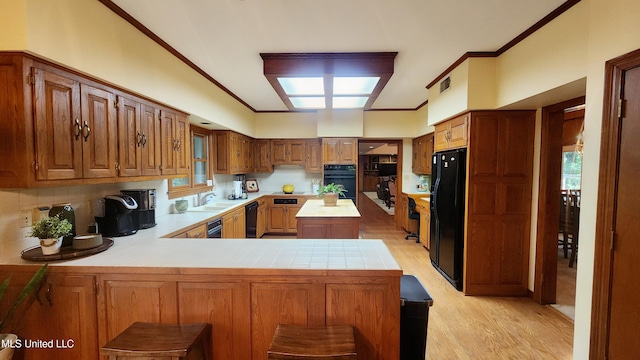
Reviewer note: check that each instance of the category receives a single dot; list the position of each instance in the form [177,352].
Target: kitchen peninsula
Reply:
[243,287]
[316,221]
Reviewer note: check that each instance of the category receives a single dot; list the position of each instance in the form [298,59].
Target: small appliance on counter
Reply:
[144,216]
[118,216]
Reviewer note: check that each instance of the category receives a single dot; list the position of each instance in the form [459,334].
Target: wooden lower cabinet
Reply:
[65,317]
[261,224]
[196,232]
[224,305]
[425,222]
[126,299]
[281,218]
[234,224]
[92,305]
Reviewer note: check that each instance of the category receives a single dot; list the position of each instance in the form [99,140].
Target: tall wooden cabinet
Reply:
[174,131]
[262,155]
[340,150]
[499,183]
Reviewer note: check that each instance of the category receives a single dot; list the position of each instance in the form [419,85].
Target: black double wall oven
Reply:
[344,175]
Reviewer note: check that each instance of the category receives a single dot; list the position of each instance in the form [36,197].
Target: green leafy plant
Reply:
[332,189]
[51,228]
[32,285]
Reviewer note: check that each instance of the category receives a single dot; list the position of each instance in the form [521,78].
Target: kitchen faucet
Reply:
[204,198]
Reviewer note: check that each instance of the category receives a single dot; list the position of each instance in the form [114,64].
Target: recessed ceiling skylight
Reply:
[302,85]
[308,102]
[354,85]
[345,80]
[349,102]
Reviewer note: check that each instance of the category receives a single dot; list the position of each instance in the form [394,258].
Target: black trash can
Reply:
[414,318]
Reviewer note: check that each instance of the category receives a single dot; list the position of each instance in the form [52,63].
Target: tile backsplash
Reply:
[81,197]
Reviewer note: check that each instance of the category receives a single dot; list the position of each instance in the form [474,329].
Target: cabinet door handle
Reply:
[78,129]
[88,131]
[139,138]
[48,294]
[144,140]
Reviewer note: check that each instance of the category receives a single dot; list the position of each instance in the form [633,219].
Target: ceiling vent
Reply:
[445,84]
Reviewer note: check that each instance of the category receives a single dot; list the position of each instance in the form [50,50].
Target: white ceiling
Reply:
[225,37]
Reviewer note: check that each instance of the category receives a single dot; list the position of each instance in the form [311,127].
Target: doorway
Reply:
[380,162]
[548,251]
[615,314]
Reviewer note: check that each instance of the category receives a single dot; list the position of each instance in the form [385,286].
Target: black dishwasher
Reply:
[214,229]
[251,212]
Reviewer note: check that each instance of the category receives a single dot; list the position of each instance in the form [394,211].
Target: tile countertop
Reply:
[148,248]
[316,208]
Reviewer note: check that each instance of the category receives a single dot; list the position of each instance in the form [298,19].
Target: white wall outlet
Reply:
[26,218]
[209,182]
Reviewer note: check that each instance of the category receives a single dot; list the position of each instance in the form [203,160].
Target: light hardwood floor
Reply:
[465,327]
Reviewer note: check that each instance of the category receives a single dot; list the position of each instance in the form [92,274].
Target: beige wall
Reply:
[482,83]
[453,100]
[13,22]
[553,56]
[286,125]
[611,34]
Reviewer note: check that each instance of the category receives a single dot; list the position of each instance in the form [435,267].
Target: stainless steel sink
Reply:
[209,207]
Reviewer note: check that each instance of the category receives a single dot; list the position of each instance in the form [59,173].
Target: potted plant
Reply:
[7,340]
[330,192]
[50,231]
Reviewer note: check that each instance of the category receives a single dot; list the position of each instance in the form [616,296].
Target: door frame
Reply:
[607,183]
[546,262]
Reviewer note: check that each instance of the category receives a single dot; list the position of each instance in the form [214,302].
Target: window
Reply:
[571,170]
[201,167]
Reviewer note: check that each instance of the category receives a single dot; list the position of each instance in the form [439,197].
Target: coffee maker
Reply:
[144,216]
[118,216]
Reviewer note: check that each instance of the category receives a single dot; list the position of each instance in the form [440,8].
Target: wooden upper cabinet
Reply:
[100,139]
[288,152]
[422,151]
[58,127]
[340,150]
[138,137]
[175,144]
[234,153]
[262,155]
[452,134]
[150,156]
[314,156]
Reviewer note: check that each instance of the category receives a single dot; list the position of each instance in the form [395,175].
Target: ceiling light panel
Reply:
[354,85]
[349,102]
[308,102]
[302,85]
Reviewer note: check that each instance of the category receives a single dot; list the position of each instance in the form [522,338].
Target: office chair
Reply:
[413,215]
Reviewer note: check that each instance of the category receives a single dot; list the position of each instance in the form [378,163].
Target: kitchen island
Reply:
[243,287]
[316,221]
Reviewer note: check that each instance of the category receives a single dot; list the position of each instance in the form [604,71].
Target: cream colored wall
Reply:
[452,101]
[610,35]
[482,83]
[341,123]
[551,57]
[286,125]
[390,124]
[87,36]
[13,23]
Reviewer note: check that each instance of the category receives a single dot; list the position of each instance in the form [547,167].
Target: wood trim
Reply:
[614,71]
[535,27]
[548,207]
[135,23]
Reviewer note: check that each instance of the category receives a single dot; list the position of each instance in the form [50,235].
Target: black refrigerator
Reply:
[447,213]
